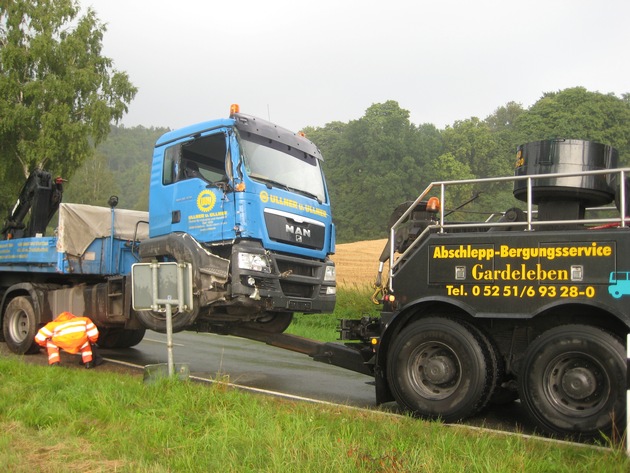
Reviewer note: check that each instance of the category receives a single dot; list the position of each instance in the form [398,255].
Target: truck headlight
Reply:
[254,262]
[330,274]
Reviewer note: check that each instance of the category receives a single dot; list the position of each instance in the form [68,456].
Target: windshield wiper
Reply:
[307,194]
[270,182]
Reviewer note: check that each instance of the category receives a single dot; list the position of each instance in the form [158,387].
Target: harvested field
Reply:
[357,263]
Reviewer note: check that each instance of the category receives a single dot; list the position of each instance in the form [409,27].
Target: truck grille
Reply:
[307,233]
[296,290]
[297,269]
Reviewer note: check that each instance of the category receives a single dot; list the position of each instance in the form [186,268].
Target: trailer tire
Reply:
[119,338]
[439,368]
[19,326]
[572,381]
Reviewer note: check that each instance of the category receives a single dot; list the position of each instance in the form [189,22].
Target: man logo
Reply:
[298,232]
[206,200]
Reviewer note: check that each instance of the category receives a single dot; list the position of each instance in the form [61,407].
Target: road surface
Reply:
[253,364]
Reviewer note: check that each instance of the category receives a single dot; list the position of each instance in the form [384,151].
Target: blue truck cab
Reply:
[245,202]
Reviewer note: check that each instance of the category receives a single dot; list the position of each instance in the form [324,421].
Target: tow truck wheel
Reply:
[572,381]
[271,322]
[498,395]
[494,363]
[119,338]
[439,368]
[20,326]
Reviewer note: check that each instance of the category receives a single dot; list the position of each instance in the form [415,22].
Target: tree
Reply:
[93,183]
[577,113]
[58,93]
[504,117]
[473,143]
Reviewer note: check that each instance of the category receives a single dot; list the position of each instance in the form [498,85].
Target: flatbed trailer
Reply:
[83,269]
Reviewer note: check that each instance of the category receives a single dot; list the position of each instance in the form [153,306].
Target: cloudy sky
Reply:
[311,62]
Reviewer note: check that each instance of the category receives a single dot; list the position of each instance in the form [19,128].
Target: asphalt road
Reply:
[253,364]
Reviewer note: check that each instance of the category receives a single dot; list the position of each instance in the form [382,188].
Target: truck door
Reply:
[197,193]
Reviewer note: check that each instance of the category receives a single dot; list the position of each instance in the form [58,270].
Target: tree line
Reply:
[382,159]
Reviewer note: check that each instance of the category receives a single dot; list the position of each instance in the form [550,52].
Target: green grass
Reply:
[352,303]
[65,420]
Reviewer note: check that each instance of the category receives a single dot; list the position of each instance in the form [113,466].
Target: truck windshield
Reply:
[281,166]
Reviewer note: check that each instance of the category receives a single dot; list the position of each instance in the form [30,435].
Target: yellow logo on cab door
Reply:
[206,200]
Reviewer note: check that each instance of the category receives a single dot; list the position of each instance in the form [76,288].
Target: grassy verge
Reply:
[352,303]
[64,419]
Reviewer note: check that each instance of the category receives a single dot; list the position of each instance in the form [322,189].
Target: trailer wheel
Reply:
[271,322]
[19,326]
[572,381]
[119,338]
[439,368]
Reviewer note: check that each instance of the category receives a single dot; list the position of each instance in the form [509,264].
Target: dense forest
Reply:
[382,159]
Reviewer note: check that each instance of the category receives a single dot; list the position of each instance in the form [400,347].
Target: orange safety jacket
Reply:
[68,332]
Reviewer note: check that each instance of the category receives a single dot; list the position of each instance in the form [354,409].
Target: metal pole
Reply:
[627,392]
[622,198]
[110,264]
[169,316]
[180,287]
[169,339]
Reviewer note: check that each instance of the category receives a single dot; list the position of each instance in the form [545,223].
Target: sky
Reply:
[312,62]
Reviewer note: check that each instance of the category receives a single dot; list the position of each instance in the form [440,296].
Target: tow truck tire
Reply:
[572,382]
[494,363]
[439,368]
[19,326]
[119,338]
[271,322]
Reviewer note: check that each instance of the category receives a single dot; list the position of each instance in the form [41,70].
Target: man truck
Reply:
[241,200]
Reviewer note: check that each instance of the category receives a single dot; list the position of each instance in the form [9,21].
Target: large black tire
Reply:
[156,321]
[19,326]
[439,368]
[497,395]
[119,338]
[271,322]
[494,363]
[572,382]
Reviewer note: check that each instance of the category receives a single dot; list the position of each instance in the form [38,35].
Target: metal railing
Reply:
[442,226]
